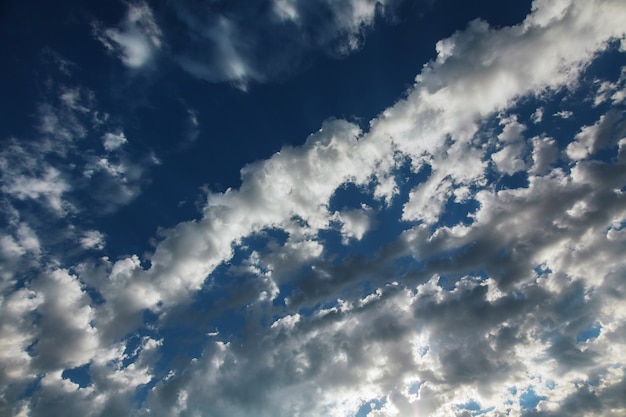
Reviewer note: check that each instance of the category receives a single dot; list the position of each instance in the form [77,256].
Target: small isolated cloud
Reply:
[563,114]
[191,128]
[93,239]
[354,223]
[137,39]
[112,141]
[537,116]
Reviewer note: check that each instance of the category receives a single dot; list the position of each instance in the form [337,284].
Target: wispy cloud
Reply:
[137,39]
[238,43]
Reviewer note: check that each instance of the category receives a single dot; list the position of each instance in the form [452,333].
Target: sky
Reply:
[344,208]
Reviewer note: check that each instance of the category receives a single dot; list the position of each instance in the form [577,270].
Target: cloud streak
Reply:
[231,41]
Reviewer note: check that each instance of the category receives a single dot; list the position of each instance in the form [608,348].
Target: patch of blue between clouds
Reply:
[384,230]
[349,196]
[458,212]
[542,270]
[470,405]
[414,388]
[79,375]
[369,406]
[474,408]
[33,386]
[591,332]
[483,411]
[214,308]
[529,399]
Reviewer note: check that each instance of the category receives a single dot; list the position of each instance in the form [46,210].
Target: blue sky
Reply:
[304,208]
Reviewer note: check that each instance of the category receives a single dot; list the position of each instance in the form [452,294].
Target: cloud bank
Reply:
[386,306]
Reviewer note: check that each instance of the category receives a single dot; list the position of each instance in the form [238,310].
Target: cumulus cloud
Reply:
[509,159]
[515,308]
[67,338]
[604,133]
[434,109]
[512,233]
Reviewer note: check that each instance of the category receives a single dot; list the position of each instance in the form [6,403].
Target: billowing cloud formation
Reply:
[512,305]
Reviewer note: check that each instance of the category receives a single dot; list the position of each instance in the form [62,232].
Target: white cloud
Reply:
[10,248]
[111,388]
[604,133]
[49,186]
[112,141]
[537,116]
[219,46]
[138,38]
[354,223]
[544,154]
[17,333]
[546,262]
[64,65]
[28,239]
[51,168]
[93,239]
[458,344]
[286,9]
[509,159]
[563,114]
[66,336]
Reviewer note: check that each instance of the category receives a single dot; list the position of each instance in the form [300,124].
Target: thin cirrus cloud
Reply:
[299,302]
[138,38]
[232,41]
